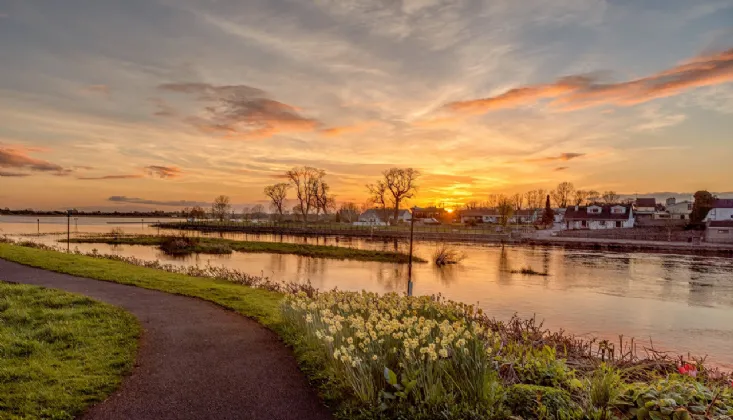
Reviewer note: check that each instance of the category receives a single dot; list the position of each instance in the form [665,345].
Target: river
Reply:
[683,303]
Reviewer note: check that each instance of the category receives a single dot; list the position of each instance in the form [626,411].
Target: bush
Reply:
[541,402]
[445,254]
[179,245]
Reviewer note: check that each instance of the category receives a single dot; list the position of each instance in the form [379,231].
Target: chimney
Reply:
[576,208]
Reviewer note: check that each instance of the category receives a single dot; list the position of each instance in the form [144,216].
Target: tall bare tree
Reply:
[593,196]
[562,194]
[610,197]
[277,194]
[221,207]
[324,201]
[530,197]
[378,197]
[580,197]
[492,200]
[400,185]
[517,201]
[505,206]
[305,180]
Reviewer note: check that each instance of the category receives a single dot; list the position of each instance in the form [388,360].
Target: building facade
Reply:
[599,217]
[720,232]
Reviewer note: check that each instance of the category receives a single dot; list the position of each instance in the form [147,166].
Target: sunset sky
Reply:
[155,102]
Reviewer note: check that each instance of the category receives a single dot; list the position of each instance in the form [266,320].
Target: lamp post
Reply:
[409,263]
[68,230]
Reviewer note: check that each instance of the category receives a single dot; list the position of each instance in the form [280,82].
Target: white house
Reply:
[678,211]
[381,217]
[480,216]
[599,217]
[722,211]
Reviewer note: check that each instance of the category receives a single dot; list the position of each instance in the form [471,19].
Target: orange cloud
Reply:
[163,171]
[346,129]
[575,92]
[109,177]
[560,168]
[17,158]
[240,111]
[561,157]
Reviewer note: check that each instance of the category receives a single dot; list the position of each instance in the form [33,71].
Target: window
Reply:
[723,231]
[584,223]
[618,224]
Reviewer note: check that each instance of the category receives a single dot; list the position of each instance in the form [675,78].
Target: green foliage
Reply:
[59,352]
[541,402]
[702,206]
[676,398]
[540,367]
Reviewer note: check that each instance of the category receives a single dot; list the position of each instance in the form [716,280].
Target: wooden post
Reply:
[409,263]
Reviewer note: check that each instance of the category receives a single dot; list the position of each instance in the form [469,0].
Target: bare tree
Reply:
[323,200]
[540,195]
[305,180]
[505,206]
[517,201]
[258,210]
[562,194]
[593,196]
[531,198]
[580,197]
[349,212]
[277,194]
[492,200]
[400,184]
[471,205]
[221,207]
[610,197]
[378,197]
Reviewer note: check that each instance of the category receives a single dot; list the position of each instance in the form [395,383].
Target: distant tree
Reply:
[593,197]
[258,210]
[493,200]
[221,207]
[378,197]
[323,200]
[580,197]
[505,206]
[197,212]
[471,205]
[701,207]
[548,217]
[348,212]
[517,201]
[562,194]
[306,181]
[610,197]
[277,194]
[400,183]
[530,197]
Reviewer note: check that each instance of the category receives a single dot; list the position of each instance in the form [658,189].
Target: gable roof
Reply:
[721,203]
[646,202]
[582,213]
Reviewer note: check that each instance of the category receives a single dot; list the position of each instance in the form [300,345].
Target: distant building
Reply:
[678,211]
[722,211]
[527,216]
[645,208]
[479,216]
[429,214]
[719,232]
[559,215]
[599,217]
[382,217]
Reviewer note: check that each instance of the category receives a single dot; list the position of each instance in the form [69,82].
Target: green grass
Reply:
[216,245]
[60,352]
[259,304]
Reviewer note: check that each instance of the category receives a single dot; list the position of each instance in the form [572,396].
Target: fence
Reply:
[637,234]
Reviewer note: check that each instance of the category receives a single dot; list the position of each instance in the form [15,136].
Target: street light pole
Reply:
[68,230]
[409,263]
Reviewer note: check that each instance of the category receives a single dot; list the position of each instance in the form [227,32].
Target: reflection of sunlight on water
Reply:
[683,302]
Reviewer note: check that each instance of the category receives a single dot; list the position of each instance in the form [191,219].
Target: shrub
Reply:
[446,254]
[541,402]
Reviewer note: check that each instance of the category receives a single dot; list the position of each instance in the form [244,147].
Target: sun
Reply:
[449,210]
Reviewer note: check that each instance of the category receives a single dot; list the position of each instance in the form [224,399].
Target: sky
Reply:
[166,103]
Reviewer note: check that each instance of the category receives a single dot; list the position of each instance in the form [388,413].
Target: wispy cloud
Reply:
[175,203]
[560,168]
[240,111]
[163,171]
[581,91]
[17,158]
[564,157]
[99,89]
[13,174]
[110,177]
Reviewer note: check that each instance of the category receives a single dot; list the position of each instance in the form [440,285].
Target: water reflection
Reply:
[683,302]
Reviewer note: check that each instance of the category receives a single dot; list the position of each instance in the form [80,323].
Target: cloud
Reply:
[163,109]
[346,129]
[17,158]
[176,203]
[101,89]
[240,111]
[163,171]
[582,91]
[127,176]
[564,157]
[560,168]
[13,174]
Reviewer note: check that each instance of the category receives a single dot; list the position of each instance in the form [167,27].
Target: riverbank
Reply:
[529,371]
[225,246]
[60,352]
[616,245]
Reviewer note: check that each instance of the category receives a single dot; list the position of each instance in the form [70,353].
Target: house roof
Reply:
[646,202]
[721,223]
[429,209]
[582,213]
[723,203]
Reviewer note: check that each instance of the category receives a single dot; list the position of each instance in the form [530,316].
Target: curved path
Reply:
[195,361]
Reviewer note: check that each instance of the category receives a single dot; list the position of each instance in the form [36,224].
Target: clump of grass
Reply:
[184,245]
[445,254]
[60,352]
[529,271]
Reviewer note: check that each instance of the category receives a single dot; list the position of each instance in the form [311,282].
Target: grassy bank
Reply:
[223,246]
[59,352]
[396,357]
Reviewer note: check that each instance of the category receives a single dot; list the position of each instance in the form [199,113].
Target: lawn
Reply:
[60,352]
[224,246]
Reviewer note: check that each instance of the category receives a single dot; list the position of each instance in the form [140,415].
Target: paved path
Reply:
[196,360]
